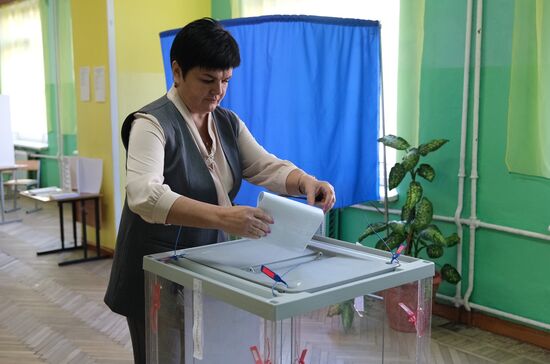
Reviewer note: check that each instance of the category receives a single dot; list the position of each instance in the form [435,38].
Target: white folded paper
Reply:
[295,222]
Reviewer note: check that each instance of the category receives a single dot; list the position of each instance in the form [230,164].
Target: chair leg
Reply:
[14,197]
[37,207]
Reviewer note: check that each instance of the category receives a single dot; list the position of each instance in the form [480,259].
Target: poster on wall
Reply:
[7,157]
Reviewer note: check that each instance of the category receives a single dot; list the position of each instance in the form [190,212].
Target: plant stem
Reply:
[410,242]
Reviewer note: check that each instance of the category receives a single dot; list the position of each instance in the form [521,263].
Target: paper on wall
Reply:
[84,83]
[99,83]
[295,222]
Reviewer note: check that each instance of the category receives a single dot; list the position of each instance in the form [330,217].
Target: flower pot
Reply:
[407,294]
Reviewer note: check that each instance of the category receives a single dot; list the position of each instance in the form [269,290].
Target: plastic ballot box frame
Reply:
[213,304]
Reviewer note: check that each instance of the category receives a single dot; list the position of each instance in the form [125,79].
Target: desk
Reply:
[73,200]
[11,169]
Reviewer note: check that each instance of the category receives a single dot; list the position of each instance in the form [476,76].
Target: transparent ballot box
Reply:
[244,302]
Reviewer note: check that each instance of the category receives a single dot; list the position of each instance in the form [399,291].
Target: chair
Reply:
[31,168]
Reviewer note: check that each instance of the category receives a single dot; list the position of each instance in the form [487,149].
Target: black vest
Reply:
[187,174]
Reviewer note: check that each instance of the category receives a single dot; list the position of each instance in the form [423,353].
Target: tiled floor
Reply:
[51,314]
[481,346]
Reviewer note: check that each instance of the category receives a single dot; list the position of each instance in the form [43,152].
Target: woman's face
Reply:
[202,89]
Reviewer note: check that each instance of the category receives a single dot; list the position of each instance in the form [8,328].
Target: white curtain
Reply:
[22,71]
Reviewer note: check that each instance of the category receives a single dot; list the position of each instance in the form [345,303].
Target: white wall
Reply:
[6,139]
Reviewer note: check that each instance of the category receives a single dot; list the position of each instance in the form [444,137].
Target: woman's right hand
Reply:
[246,221]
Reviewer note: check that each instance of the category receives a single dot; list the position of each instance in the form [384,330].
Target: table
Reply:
[73,199]
[11,169]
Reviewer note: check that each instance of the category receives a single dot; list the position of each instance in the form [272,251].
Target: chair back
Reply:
[28,173]
[33,165]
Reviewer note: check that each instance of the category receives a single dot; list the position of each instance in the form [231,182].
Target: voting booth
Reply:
[270,301]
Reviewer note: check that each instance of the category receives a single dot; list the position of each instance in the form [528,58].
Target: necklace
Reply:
[209,152]
[210,159]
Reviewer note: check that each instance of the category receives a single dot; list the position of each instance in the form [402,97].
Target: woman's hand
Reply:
[246,221]
[319,193]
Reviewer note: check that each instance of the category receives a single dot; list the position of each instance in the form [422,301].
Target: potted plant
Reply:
[415,228]
[414,231]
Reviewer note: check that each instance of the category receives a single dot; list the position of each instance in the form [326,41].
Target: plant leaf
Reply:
[334,310]
[426,171]
[395,142]
[423,243]
[397,173]
[431,146]
[407,214]
[380,245]
[398,227]
[450,274]
[452,240]
[432,234]
[414,193]
[410,159]
[434,251]
[423,214]
[391,242]
[372,229]
[347,315]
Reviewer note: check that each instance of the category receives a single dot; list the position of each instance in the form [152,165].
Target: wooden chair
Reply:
[31,169]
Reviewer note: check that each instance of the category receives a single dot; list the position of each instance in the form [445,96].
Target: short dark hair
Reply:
[205,43]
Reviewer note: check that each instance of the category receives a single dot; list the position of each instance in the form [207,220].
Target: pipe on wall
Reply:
[475,141]
[463,134]
[525,320]
[477,223]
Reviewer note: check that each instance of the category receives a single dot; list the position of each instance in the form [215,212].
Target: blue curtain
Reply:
[308,89]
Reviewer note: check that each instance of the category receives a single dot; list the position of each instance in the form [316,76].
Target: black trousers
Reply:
[137,333]
[169,337]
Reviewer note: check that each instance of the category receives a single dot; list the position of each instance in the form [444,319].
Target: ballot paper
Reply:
[295,222]
[305,264]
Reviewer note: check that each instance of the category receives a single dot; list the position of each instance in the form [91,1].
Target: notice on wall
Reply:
[99,83]
[85,83]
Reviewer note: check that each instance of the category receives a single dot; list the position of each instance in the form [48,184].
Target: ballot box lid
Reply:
[314,268]
[296,281]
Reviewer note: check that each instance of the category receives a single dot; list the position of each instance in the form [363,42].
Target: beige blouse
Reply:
[151,199]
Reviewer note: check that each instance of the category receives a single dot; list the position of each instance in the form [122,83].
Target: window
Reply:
[385,11]
[22,71]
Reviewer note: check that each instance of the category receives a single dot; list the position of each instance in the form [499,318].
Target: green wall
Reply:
[511,272]
[221,9]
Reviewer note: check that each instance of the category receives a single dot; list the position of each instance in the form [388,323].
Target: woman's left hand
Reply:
[319,193]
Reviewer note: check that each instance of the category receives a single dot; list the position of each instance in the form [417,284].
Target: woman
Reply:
[186,157]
